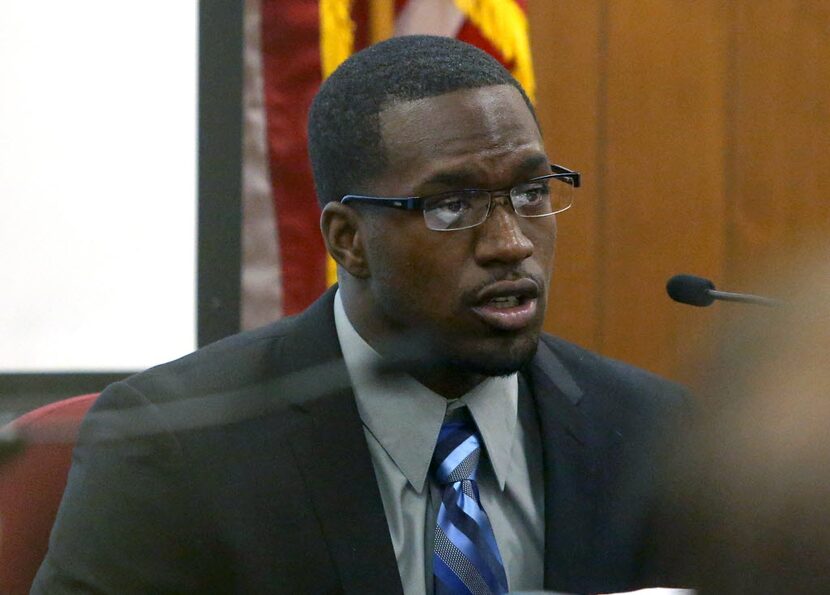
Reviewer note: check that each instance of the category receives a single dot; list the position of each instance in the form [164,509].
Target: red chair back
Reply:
[31,486]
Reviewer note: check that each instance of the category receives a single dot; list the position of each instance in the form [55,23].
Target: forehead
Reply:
[485,131]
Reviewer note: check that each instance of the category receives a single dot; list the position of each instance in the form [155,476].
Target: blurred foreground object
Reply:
[751,498]
[31,486]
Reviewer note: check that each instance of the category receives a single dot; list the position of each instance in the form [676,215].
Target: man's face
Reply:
[477,295]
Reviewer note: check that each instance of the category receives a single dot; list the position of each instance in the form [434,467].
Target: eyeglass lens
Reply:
[468,208]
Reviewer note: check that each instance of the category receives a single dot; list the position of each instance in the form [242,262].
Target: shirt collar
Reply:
[405,417]
[494,407]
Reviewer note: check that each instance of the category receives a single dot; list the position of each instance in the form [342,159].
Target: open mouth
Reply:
[510,301]
[508,305]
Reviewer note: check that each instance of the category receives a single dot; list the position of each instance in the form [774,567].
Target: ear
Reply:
[342,233]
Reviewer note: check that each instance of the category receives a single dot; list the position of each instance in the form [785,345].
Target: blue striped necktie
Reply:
[465,558]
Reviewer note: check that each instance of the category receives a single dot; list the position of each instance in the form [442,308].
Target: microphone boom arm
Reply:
[745,298]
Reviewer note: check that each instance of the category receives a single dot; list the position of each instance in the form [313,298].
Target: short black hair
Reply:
[344,139]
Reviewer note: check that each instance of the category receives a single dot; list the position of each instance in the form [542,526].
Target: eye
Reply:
[449,208]
[531,194]
[455,204]
[454,209]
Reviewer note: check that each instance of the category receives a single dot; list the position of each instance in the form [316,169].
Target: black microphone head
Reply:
[688,289]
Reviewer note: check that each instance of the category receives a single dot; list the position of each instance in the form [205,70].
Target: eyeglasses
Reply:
[462,209]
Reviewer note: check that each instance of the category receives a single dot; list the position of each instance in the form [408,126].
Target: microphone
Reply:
[697,291]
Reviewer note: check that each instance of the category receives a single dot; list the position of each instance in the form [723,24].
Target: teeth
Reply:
[505,302]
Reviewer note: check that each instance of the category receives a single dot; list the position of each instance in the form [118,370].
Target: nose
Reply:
[500,238]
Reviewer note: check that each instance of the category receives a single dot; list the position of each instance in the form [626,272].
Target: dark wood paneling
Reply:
[567,52]
[781,111]
[664,172]
[704,131]
[634,94]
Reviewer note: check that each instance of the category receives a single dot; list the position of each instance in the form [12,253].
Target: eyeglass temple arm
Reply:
[574,175]
[412,203]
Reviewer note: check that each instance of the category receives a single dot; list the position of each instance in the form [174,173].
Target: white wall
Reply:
[97,183]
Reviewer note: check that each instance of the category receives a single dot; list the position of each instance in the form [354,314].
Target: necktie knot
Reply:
[457,452]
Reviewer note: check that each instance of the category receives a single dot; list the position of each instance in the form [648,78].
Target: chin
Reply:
[497,362]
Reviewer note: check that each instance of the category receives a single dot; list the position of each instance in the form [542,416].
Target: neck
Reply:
[408,352]
[449,383]
[414,355]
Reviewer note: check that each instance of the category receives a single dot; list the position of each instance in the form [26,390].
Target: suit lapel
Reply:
[335,462]
[570,473]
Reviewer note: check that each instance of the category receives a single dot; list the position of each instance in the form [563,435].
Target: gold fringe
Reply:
[381,20]
[336,44]
[504,24]
[336,34]
[331,271]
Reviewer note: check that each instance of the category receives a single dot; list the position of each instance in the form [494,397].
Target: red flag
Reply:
[291,76]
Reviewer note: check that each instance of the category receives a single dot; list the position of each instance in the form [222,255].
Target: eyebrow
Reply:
[463,178]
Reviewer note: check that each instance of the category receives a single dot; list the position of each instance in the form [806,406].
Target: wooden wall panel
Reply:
[566,48]
[781,137]
[664,170]
[703,129]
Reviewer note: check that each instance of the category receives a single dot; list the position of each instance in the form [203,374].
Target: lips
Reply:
[508,305]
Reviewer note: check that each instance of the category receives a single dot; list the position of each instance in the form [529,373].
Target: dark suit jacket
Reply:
[243,468]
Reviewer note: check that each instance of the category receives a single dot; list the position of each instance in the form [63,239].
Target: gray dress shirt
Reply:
[401,420]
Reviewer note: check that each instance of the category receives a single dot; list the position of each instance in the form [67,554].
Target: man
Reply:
[412,430]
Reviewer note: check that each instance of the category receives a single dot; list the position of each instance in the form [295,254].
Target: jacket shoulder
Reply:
[611,379]
[251,360]
[266,370]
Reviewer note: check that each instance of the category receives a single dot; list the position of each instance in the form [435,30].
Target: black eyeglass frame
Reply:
[415,203]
